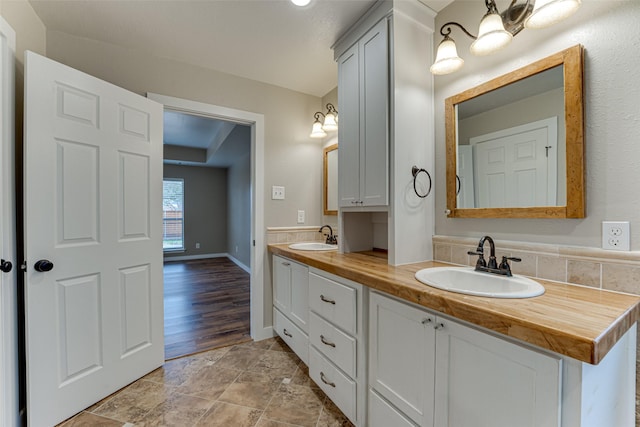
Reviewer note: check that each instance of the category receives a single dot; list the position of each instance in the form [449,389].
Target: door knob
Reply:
[5,266]
[43,265]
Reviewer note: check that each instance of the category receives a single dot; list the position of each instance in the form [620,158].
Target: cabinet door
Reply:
[374,113]
[401,356]
[349,129]
[382,414]
[485,381]
[282,284]
[299,309]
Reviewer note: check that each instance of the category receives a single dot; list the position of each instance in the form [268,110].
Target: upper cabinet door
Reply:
[349,129]
[374,113]
[363,94]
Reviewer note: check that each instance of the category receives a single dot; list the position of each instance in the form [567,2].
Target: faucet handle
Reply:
[481,261]
[511,258]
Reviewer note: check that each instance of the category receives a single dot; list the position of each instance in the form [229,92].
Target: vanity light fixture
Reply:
[301,3]
[497,29]
[325,122]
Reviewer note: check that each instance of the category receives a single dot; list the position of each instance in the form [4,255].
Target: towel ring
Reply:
[415,171]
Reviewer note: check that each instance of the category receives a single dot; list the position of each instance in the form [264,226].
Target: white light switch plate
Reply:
[277,192]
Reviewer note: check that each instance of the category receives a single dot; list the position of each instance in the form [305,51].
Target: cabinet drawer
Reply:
[333,301]
[292,335]
[340,388]
[339,347]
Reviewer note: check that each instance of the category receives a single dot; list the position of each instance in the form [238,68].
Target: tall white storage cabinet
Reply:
[385,100]
[363,93]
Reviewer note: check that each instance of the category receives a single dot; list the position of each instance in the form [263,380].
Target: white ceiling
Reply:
[271,41]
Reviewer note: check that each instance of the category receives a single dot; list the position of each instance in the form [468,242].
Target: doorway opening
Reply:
[253,124]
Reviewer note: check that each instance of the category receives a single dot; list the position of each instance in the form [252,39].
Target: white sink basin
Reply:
[313,246]
[468,281]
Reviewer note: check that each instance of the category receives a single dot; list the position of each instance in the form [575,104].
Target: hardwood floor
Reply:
[206,306]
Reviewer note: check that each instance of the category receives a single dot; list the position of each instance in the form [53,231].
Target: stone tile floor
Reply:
[260,384]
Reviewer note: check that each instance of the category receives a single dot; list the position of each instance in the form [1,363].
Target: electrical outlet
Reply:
[616,235]
[300,217]
[198,245]
[277,192]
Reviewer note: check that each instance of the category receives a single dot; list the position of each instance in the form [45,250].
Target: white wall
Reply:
[609,32]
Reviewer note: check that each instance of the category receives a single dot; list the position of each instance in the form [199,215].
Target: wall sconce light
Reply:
[325,122]
[497,29]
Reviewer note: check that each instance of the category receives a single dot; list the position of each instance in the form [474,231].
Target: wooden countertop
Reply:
[579,322]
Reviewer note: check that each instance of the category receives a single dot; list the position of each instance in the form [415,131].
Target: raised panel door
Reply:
[282,284]
[349,129]
[485,381]
[374,107]
[401,356]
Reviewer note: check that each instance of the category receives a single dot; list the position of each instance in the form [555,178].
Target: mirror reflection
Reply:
[330,180]
[511,145]
[515,144]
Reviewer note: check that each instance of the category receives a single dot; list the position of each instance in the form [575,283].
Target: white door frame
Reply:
[9,404]
[258,330]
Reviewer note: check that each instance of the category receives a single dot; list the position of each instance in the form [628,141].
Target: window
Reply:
[173,214]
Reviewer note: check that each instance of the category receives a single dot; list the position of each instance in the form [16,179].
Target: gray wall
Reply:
[609,32]
[205,209]
[239,199]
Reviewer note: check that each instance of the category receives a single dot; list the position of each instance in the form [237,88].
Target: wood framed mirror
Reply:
[330,180]
[515,144]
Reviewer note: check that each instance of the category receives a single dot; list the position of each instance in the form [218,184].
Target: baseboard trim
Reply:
[191,257]
[239,263]
[263,334]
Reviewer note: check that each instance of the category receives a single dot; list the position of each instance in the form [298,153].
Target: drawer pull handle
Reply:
[438,326]
[426,321]
[286,264]
[325,342]
[287,333]
[324,380]
[329,301]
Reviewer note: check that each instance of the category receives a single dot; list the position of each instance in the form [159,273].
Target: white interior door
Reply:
[93,210]
[8,291]
[517,167]
[464,181]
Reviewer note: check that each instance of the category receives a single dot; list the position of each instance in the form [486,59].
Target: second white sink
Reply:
[468,281]
[313,246]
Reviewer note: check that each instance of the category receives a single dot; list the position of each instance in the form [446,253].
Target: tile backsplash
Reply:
[277,235]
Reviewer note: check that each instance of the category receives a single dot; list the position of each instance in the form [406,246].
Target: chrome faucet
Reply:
[332,239]
[492,266]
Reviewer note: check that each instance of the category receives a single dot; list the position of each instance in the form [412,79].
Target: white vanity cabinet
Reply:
[337,349]
[363,94]
[291,305]
[439,372]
